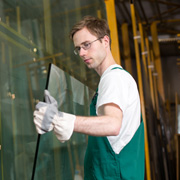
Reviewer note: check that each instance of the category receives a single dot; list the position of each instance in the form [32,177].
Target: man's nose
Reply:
[82,52]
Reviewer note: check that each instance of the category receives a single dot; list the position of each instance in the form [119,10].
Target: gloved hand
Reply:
[48,117]
[64,125]
[44,114]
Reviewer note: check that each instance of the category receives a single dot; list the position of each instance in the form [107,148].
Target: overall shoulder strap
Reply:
[119,68]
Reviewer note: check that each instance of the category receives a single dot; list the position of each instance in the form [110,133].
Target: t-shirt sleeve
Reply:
[113,88]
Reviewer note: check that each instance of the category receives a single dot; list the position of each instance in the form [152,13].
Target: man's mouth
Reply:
[87,60]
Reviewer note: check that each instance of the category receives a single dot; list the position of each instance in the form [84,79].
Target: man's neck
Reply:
[105,64]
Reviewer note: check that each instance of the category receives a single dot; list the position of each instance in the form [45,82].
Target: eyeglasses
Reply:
[85,46]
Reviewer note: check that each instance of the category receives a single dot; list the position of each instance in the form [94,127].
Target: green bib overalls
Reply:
[101,162]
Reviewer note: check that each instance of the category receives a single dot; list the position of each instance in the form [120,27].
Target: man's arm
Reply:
[47,117]
[108,124]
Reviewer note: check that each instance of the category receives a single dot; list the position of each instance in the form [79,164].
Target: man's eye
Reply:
[86,44]
[77,48]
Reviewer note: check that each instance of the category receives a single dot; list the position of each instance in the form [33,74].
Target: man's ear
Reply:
[106,40]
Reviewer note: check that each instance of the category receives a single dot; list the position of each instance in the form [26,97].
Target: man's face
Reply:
[93,56]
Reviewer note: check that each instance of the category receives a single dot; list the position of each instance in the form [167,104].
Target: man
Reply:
[116,134]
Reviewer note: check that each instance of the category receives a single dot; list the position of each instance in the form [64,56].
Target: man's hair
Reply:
[97,27]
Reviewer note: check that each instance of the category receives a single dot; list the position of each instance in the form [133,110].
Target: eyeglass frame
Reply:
[78,48]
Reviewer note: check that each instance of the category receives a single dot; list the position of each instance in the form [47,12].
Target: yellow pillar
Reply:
[157,60]
[3,52]
[81,63]
[126,47]
[148,170]
[155,86]
[150,71]
[99,14]
[143,50]
[1,141]
[111,17]
[18,19]
[7,20]
[47,24]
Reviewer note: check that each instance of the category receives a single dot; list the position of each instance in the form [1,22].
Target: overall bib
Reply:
[101,162]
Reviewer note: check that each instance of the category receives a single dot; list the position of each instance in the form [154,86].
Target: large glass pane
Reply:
[33,34]
[64,160]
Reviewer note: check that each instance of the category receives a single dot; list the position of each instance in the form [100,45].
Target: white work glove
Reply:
[63,125]
[47,117]
[44,114]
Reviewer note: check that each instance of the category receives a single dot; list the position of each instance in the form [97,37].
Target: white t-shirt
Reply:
[118,86]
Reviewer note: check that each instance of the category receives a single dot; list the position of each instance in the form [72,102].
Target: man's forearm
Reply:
[98,125]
